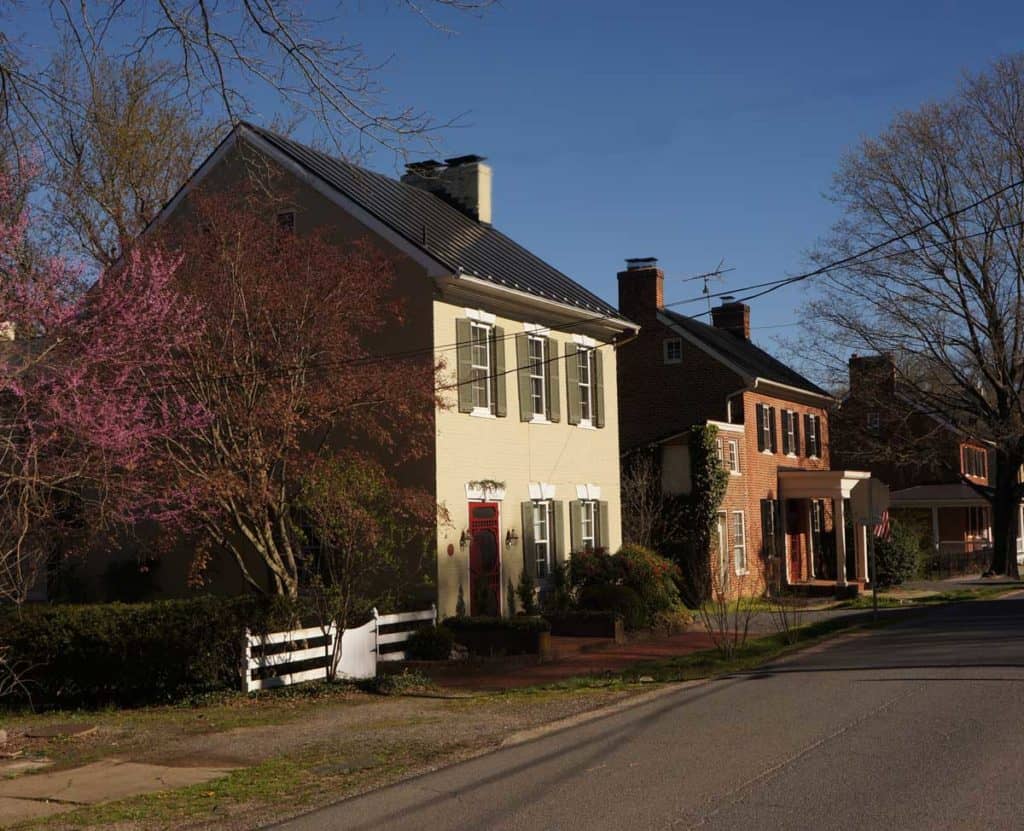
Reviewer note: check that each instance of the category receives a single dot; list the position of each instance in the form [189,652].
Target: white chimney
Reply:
[463,181]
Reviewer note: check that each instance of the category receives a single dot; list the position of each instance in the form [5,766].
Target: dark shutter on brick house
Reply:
[759,410]
[787,420]
[464,359]
[551,377]
[773,433]
[796,433]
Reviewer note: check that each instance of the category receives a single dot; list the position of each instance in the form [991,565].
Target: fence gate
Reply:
[279,659]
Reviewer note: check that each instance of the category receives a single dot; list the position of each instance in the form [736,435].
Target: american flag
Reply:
[883,529]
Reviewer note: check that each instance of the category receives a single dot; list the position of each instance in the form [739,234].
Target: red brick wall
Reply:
[761,477]
[658,399]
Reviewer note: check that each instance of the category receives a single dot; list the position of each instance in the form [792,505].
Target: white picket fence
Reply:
[280,659]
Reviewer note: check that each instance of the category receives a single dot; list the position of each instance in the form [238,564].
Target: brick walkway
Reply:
[574,657]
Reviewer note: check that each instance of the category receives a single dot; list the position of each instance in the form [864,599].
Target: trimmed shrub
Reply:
[898,558]
[611,598]
[129,655]
[486,636]
[430,643]
[651,576]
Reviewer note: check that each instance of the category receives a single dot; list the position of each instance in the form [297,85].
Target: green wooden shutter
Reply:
[529,555]
[796,433]
[523,376]
[551,375]
[575,526]
[464,360]
[598,388]
[604,537]
[558,532]
[499,386]
[572,384]
[759,410]
[773,440]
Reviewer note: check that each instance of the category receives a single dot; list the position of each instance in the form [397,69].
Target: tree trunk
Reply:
[1005,507]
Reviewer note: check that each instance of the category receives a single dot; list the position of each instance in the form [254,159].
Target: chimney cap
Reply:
[455,161]
[424,166]
[636,263]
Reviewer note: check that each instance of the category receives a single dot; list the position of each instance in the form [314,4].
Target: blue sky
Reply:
[691,132]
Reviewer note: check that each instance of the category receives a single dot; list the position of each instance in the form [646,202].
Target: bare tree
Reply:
[119,156]
[938,198]
[226,56]
[650,517]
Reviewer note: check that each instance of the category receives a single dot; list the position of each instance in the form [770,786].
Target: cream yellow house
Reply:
[526,452]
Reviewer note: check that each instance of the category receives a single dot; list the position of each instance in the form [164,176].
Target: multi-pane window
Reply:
[538,380]
[482,345]
[733,456]
[720,452]
[673,350]
[813,435]
[789,432]
[542,537]
[588,524]
[975,462]
[766,427]
[977,523]
[739,542]
[585,359]
[770,527]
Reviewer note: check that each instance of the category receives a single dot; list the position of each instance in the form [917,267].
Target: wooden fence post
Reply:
[246,659]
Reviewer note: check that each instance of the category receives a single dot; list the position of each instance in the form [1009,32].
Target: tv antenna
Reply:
[708,276]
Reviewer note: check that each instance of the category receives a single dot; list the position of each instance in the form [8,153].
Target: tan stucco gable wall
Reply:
[515,452]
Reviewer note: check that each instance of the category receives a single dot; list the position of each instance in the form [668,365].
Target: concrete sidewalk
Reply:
[45,794]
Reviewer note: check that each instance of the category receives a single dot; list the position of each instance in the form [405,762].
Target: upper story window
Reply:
[482,340]
[790,432]
[481,365]
[975,462]
[812,425]
[286,220]
[766,441]
[538,376]
[673,350]
[720,452]
[585,367]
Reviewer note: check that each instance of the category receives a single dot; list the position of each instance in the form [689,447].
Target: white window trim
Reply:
[584,340]
[545,505]
[588,492]
[664,350]
[791,433]
[542,415]
[537,329]
[480,316]
[742,544]
[767,434]
[812,448]
[540,491]
[587,423]
[733,453]
[589,506]
[475,325]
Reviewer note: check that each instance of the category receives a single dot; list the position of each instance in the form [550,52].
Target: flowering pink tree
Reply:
[88,395]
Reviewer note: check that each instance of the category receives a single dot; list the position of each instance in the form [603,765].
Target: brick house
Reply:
[929,462]
[783,499]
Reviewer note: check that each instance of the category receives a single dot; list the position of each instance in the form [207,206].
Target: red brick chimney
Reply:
[734,317]
[872,375]
[641,288]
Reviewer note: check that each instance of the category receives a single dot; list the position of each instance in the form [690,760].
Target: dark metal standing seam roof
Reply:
[751,359]
[441,230]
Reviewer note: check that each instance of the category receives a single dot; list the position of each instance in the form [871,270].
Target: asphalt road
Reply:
[916,726]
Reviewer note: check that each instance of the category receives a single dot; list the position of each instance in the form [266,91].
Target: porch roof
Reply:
[820,484]
[949,495]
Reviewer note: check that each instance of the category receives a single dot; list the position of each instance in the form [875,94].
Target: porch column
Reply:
[935,528]
[839,526]
[862,552]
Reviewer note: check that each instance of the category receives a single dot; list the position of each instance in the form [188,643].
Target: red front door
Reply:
[484,559]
